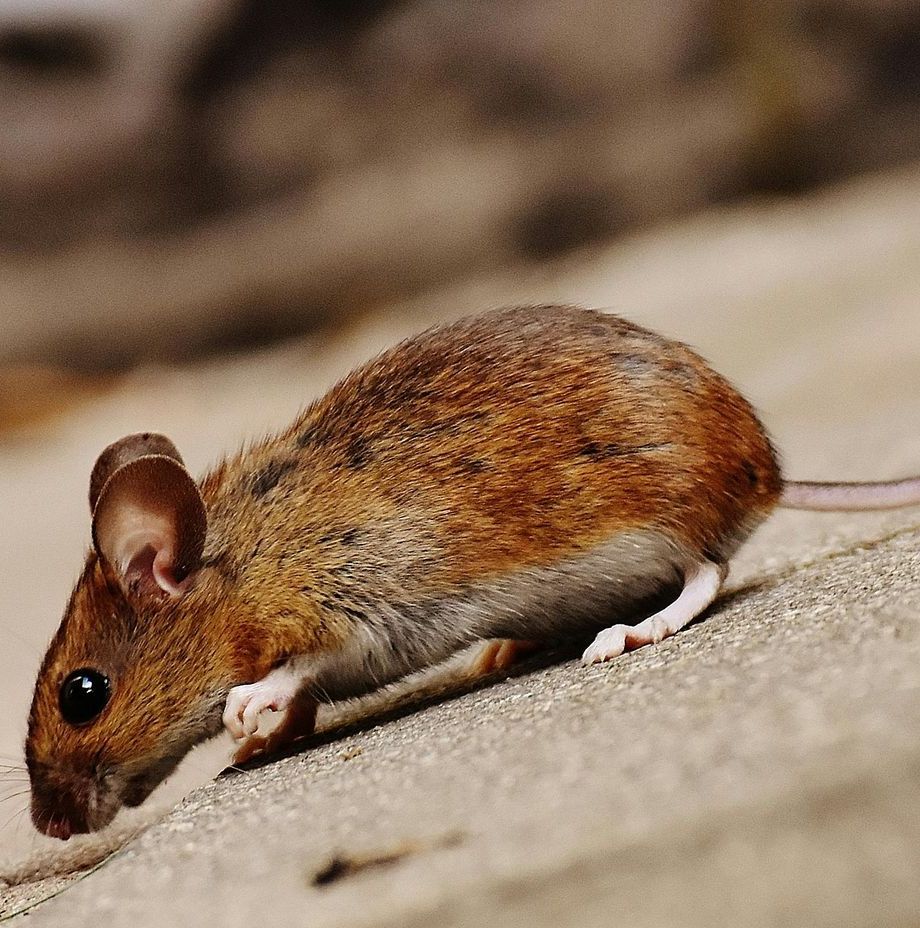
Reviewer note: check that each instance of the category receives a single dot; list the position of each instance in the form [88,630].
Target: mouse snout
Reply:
[60,811]
[65,804]
[54,827]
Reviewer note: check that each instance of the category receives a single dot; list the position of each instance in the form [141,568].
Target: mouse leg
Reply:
[701,585]
[499,654]
[282,690]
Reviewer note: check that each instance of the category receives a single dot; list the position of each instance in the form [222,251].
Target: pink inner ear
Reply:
[151,565]
[148,520]
[144,550]
[164,574]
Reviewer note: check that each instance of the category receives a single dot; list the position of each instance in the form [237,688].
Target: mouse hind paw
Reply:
[701,586]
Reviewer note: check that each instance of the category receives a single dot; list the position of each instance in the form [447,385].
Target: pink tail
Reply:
[842,496]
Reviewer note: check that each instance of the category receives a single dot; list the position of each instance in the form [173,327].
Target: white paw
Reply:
[610,643]
[246,703]
[613,641]
[657,629]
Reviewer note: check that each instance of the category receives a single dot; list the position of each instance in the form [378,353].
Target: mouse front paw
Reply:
[246,703]
[281,691]
[499,654]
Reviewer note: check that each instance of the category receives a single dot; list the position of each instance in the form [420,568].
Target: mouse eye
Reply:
[83,695]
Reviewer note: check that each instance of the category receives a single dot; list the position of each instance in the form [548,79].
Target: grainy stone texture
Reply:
[758,769]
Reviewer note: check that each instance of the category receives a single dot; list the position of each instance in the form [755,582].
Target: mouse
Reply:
[515,478]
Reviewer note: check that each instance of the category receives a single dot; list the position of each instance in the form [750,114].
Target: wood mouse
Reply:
[518,477]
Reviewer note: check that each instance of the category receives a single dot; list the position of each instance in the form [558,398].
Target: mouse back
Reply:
[523,434]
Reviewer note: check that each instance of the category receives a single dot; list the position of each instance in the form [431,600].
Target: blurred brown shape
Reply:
[31,393]
[231,171]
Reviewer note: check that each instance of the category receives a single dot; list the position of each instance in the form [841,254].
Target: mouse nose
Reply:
[57,811]
[56,828]
[58,821]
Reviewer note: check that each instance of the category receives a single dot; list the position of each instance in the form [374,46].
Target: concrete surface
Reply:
[761,765]
[759,769]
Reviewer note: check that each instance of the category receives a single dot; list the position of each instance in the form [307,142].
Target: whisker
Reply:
[14,796]
[18,820]
[18,812]
[321,694]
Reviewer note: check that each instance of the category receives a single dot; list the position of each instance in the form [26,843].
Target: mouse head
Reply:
[126,687]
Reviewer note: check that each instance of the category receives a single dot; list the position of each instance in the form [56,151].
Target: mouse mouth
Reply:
[136,790]
[59,823]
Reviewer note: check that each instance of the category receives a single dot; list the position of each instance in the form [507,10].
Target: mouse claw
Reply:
[610,643]
[701,585]
[282,691]
[613,641]
[298,721]
[245,703]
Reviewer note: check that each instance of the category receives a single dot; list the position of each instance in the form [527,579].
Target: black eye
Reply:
[84,695]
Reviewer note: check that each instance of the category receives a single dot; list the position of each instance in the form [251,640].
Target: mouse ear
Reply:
[124,450]
[150,523]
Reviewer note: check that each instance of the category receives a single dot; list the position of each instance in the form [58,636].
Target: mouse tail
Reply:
[829,497]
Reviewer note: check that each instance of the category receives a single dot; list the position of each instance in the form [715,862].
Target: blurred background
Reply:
[189,176]
[211,209]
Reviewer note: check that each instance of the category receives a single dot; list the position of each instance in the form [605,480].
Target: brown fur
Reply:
[510,441]
[523,436]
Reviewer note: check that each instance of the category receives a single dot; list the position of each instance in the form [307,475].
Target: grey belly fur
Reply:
[572,598]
